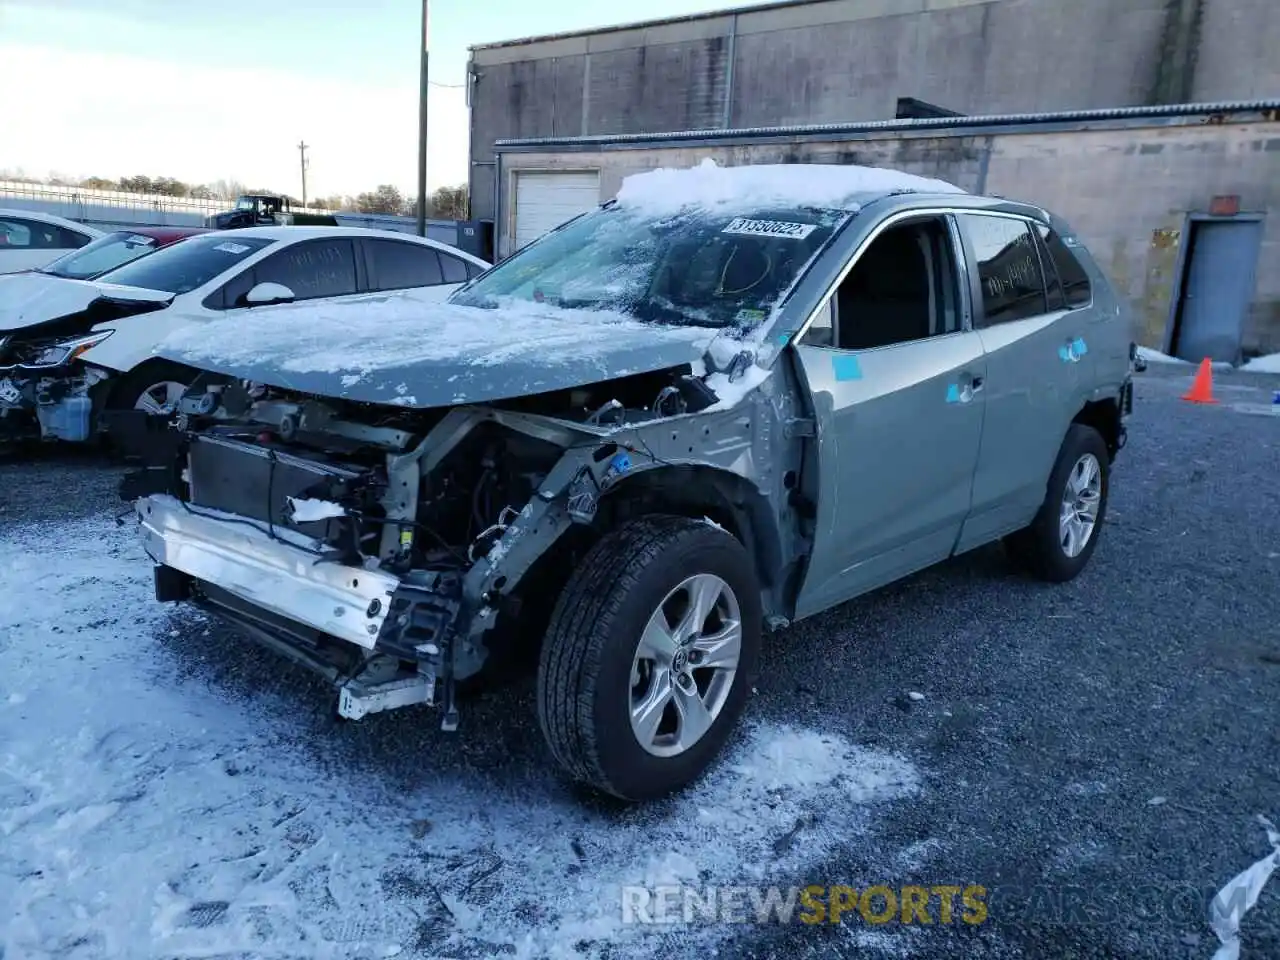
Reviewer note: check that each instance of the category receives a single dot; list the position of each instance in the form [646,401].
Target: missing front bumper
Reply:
[319,614]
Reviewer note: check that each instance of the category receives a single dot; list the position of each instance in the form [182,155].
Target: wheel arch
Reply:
[693,491]
[703,492]
[1103,416]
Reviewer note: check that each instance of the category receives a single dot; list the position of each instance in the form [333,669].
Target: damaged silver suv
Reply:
[724,401]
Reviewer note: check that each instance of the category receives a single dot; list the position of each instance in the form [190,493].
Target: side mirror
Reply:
[264,293]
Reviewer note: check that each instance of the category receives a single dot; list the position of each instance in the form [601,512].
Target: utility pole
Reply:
[423,84]
[302,153]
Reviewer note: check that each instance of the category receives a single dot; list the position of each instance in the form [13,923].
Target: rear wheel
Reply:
[1059,542]
[650,656]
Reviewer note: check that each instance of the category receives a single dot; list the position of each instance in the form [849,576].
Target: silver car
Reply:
[728,400]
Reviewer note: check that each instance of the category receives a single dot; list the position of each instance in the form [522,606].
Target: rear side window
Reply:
[1070,274]
[1013,287]
[474,269]
[313,268]
[455,271]
[398,265]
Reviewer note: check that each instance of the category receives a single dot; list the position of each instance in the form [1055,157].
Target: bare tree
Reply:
[385,199]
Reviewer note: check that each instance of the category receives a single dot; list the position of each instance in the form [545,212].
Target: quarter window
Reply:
[316,268]
[1071,275]
[455,271]
[1013,286]
[398,265]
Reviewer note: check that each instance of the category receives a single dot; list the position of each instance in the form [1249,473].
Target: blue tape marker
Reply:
[1064,354]
[846,367]
[953,393]
[1080,347]
[783,338]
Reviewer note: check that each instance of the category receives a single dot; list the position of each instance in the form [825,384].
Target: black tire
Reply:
[128,389]
[1038,548]
[584,671]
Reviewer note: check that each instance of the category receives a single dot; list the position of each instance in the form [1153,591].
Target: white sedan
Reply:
[70,349]
[29,240]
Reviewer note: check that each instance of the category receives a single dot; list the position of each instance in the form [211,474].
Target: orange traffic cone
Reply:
[1202,387]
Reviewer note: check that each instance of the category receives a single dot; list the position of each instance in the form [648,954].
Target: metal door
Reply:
[898,434]
[1218,288]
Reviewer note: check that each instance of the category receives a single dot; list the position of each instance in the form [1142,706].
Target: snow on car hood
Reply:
[28,299]
[405,350]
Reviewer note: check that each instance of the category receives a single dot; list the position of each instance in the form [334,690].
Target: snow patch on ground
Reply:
[144,815]
[384,331]
[759,186]
[1267,364]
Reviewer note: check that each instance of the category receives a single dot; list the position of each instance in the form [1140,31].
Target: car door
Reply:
[313,269]
[896,377]
[28,244]
[1037,362]
[401,265]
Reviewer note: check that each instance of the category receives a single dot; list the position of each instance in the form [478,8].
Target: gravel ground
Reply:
[1093,754]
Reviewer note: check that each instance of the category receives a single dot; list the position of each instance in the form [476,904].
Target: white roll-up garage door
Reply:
[546,199]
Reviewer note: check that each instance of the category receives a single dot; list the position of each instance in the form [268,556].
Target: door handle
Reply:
[977,383]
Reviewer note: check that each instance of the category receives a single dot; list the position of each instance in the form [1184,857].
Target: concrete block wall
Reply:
[849,60]
[1126,191]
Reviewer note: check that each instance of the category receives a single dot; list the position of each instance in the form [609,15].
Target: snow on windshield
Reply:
[398,330]
[763,185]
[726,269]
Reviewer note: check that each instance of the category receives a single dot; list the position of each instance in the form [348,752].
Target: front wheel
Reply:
[1059,542]
[650,656]
[154,388]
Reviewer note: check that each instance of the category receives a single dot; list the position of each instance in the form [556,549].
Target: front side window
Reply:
[314,268]
[184,266]
[1013,287]
[902,288]
[718,268]
[105,253]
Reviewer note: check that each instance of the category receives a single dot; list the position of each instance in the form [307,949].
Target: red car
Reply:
[116,249]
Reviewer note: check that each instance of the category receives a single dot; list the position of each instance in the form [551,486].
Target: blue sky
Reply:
[225,89]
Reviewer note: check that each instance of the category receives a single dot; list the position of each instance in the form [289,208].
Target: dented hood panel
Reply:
[30,299]
[406,351]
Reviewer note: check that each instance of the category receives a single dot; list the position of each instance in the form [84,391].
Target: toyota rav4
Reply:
[726,400]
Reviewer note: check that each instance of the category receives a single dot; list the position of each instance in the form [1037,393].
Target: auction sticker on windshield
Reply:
[769,228]
[231,247]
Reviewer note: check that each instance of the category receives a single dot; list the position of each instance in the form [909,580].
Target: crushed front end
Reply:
[45,392]
[384,547]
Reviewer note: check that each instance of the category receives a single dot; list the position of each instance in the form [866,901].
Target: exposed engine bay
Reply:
[406,533]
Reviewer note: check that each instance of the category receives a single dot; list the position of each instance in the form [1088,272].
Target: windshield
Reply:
[696,268]
[184,266]
[246,203]
[105,253]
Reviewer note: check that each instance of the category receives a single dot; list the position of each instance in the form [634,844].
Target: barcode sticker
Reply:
[769,228]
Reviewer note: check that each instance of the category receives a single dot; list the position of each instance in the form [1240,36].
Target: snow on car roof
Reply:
[758,186]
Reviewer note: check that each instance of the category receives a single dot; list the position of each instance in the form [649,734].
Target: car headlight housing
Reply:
[64,351]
